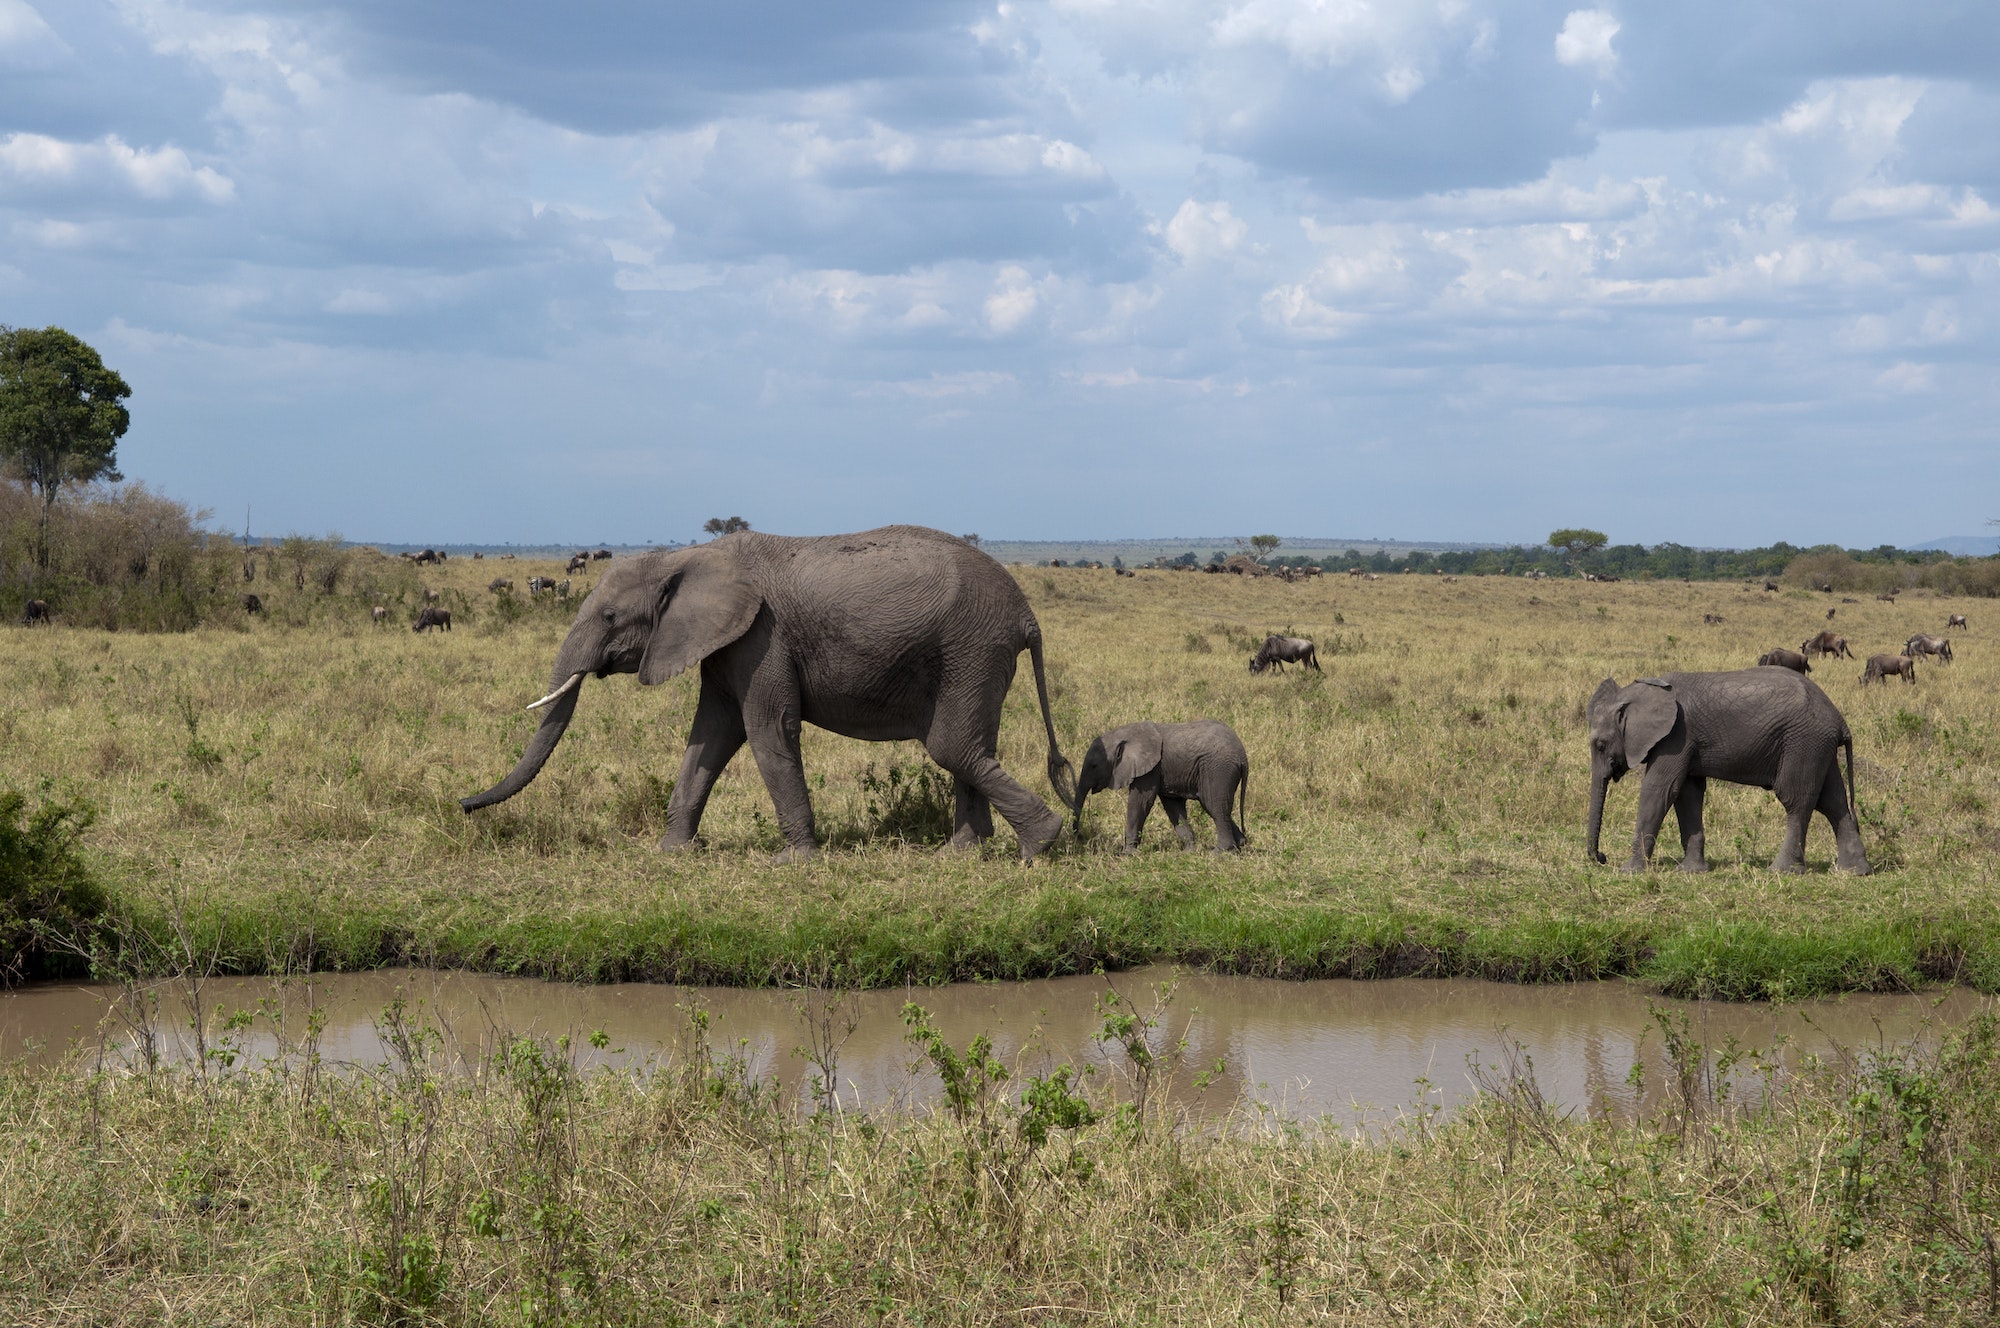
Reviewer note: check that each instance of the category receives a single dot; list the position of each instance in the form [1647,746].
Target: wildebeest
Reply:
[577,562]
[1278,651]
[378,615]
[1956,620]
[537,584]
[1830,613]
[1784,659]
[1881,666]
[1826,643]
[1711,619]
[252,604]
[36,611]
[430,596]
[1920,644]
[601,554]
[562,588]
[433,616]
[499,585]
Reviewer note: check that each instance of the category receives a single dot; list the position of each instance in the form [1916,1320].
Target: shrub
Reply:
[47,895]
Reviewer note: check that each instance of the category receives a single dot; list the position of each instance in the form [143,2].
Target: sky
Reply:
[1420,269]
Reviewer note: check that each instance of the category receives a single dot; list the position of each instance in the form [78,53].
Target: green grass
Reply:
[292,781]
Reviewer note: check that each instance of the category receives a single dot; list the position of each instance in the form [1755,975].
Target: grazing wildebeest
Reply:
[1711,619]
[600,555]
[1881,666]
[1826,643]
[36,611]
[433,617]
[378,615]
[1784,659]
[252,604]
[499,584]
[577,562]
[1956,620]
[1278,651]
[537,584]
[1920,644]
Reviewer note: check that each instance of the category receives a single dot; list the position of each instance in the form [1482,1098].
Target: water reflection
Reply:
[1357,1050]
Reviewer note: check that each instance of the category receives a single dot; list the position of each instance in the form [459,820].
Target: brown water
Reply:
[1357,1050]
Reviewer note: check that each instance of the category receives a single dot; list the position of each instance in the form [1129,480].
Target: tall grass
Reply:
[1416,808]
[514,1182]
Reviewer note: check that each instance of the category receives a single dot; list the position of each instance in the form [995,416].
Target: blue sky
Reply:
[1453,269]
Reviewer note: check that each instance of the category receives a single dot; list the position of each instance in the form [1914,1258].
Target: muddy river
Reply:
[1359,1051]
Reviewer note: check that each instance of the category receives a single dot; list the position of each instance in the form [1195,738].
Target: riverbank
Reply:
[285,785]
[536,1188]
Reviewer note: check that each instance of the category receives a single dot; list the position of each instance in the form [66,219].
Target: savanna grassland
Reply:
[284,785]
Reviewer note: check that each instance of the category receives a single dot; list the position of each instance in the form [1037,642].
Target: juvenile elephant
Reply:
[886,635]
[1769,728]
[1203,760]
[1880,668]
[1278,651]
[1784,659]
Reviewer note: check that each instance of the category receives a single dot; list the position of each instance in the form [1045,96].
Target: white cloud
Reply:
[1205,230]
[26,40]
[1013,301]
[37,160]
[1903,376]
[1585,42]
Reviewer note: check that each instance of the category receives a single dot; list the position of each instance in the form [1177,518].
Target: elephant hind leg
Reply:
[1841,815]
[1217,801]
[1177,817]
[1687,811]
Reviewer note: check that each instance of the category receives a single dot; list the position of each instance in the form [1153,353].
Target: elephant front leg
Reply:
[971,815]
[715,736]
[774,741]
[1687,811]
[1138,806]
[1177,817]
[1656,795]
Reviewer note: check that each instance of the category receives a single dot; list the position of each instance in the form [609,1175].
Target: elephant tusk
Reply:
[574,679]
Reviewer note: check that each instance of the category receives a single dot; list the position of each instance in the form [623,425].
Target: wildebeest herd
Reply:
[1879,668]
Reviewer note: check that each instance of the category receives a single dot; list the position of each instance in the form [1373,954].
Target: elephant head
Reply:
[1116,759]
[655,616]
[1626,726]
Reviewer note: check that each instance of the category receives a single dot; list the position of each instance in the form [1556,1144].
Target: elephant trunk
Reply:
[1598,783]
[554,721]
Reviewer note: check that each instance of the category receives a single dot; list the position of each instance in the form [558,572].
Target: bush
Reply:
[121,557]
[47,895]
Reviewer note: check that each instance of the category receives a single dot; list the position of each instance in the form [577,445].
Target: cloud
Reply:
[1205,230]
[35,165]
[1585,42]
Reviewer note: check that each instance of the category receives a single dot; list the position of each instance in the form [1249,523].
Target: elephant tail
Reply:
[1847,744]
[1243,804]
[1062,775]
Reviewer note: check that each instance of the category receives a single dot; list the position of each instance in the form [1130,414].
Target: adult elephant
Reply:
[1771,728]
[890,634]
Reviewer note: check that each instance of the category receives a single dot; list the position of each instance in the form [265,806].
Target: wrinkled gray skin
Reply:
[1203,760]
[1784,659]
[1767,727]
[889,634]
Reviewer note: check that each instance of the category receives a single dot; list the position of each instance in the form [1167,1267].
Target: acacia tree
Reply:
[1576,541]
[724,525]
[1263,546]
[61,415]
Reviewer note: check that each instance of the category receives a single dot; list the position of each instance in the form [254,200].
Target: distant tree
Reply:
[1263,546]
[61,415]
[1117,563]
[1577,542]
[724,525]
[973,540]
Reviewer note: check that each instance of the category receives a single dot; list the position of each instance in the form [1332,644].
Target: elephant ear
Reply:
[705,604]
[1650,712]
[1138,751]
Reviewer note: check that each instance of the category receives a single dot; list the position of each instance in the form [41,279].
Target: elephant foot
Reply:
[964,841]
[1039,835]
[794,853]
[669,843]
[1789,868]
[1694,865]
[1635,867]
[1853,869]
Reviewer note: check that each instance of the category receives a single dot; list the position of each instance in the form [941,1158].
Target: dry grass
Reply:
[1418,805]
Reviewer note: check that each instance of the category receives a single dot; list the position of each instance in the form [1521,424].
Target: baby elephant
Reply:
[1882,666]
[1283,650]
[1203,760]
[1784,659]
